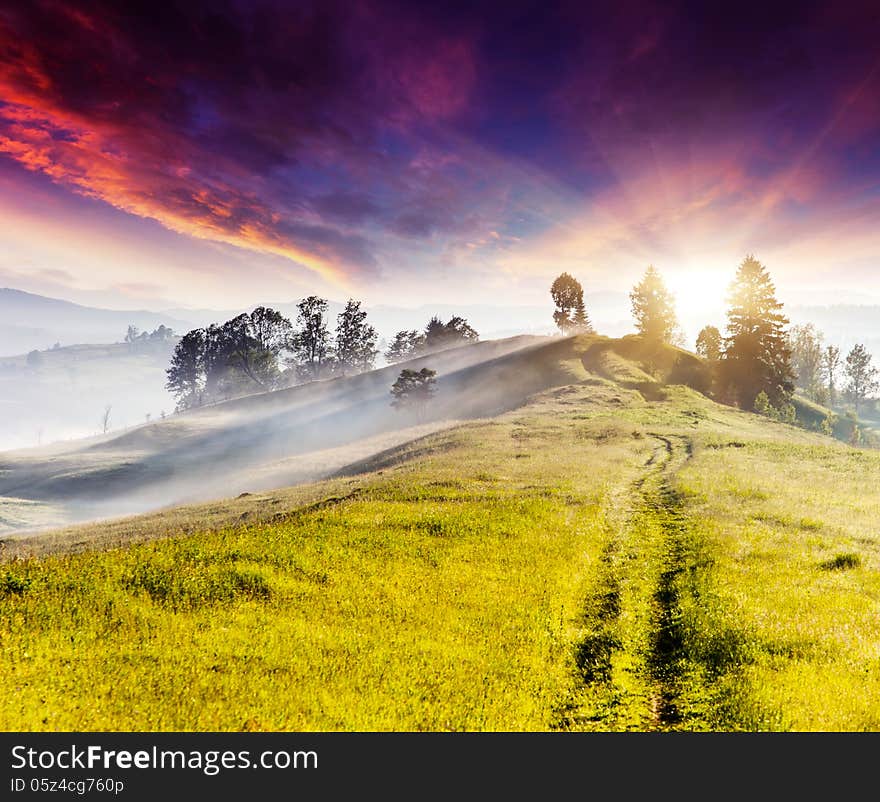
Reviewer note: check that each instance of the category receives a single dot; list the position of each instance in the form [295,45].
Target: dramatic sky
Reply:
[222,153]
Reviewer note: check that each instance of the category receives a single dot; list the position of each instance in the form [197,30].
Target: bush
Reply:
[785,413]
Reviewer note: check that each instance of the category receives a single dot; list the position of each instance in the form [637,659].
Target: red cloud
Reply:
[174,129]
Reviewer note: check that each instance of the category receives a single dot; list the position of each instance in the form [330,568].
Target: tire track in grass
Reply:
[666,660]
[633,660]
[608,686]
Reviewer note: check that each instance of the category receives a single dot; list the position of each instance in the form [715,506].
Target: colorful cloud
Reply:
[376,142]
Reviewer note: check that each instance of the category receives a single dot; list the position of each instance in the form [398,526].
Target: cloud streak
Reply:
[220,121]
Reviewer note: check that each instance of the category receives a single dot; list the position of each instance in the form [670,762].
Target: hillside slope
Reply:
[600,557]
[267,440]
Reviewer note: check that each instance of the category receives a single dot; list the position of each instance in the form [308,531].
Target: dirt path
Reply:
[631,657]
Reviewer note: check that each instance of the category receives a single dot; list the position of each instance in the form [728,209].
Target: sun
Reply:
[700,293]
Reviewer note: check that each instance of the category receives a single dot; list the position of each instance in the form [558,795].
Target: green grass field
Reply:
[617,554]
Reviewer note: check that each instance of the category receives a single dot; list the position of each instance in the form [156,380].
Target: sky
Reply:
[220,153]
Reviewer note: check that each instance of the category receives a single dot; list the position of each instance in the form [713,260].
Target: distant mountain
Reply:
[29,322]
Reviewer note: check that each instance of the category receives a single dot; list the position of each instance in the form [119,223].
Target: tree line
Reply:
[759,362]
[263,350]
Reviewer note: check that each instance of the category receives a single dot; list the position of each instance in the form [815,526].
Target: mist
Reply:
[258,442]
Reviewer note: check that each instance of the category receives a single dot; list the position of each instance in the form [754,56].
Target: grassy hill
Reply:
[605,548]
[267,440]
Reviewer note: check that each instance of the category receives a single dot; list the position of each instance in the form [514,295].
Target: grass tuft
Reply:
[842,562]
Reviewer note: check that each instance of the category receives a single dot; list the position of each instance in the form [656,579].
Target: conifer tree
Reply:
[653,308]
[757,356]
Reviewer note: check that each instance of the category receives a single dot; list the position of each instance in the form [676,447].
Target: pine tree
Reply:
[580,320]
[756,352]
[435,334]
[653,308]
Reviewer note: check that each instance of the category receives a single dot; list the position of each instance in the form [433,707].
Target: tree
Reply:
[251,343]
[311,340]
[653,308]
[861,375]
[830,366]
[806,359]
[105,419]
[456,331]
[756,353]
[132,334]
[406,345]
[435,333]
[414,389]
[355,340]
[239,353]
[215,362]
[270,330]
[568,295]
[709,343]
[580,320]
[855,433]
[161,333]
[34,359]
[225,361]
[186,375]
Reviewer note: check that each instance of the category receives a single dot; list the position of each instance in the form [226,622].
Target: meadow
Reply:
[617,553]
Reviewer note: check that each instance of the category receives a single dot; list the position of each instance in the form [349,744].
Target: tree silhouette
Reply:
[568,295]
[580,320]
[756,352]
[456,331]
[311,341]
[414,389]
[186,375]
[406,345]
[653,308]
[355,340]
